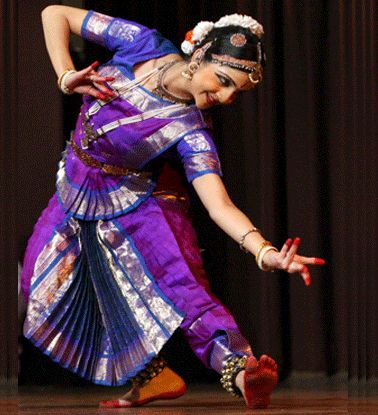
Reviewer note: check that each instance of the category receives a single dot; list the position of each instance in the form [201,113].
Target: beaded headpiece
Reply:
[234,40]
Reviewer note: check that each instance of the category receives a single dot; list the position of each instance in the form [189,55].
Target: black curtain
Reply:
[299,157]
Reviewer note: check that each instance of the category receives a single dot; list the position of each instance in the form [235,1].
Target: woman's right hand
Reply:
[89,82]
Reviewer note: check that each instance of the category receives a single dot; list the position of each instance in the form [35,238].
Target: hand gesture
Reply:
[288,260]
[88,81]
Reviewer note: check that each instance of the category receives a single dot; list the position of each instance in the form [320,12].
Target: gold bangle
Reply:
[261,247]
[263,252]
[59,81]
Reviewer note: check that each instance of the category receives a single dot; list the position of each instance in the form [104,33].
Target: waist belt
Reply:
[107,168]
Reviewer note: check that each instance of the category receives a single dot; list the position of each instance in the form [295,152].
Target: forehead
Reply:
[240,78]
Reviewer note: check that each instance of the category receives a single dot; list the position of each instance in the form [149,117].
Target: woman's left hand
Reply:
[89,82]
[288,260]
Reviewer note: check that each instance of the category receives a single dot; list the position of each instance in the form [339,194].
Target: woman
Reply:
[113,267]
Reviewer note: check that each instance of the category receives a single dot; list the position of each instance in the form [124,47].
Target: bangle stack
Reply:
[61,81]
[265,247]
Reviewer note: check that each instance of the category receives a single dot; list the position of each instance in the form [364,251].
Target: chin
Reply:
[202,103]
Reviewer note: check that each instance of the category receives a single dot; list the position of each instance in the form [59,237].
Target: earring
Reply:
[191,68]
[255,78]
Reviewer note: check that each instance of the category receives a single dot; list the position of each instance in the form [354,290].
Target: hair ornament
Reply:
[196,36]
[202,29]
[238,40]
[241,20]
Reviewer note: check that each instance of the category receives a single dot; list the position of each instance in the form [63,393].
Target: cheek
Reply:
[205,83]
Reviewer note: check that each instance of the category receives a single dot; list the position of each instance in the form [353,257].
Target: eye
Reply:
[224,81]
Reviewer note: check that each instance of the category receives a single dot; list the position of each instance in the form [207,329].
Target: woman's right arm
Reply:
[58,22]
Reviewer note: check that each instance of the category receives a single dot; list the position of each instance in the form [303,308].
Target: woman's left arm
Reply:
[235,223]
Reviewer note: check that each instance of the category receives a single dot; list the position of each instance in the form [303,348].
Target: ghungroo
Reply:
[152,369]
[229,372]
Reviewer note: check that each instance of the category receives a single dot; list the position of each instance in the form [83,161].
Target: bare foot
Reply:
[257,381]
[166,385]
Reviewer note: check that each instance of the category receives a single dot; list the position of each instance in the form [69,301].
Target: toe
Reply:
[251,364]
[115,403]
[264,360]
[271,362]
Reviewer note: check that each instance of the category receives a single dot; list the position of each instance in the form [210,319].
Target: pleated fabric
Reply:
[106,295]
[94,307]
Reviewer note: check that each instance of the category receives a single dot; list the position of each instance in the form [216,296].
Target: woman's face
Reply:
[215,84]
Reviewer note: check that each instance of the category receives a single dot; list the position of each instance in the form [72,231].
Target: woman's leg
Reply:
[164,236]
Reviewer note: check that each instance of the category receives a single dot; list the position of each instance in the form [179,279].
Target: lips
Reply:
[210,100]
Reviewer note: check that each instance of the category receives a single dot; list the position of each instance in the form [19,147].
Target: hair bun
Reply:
[202,29]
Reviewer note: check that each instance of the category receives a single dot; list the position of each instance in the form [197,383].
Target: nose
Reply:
[228,96]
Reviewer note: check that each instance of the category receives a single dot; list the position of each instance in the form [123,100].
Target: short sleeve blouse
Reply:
[132,43]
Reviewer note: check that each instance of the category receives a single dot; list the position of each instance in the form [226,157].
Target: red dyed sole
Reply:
[118,403]
[259,383]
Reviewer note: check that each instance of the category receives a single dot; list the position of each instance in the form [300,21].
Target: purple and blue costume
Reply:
[113,267]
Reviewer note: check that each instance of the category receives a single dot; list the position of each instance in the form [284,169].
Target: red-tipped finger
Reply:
[107,92]
[109,78]
[306,275]
[286,246]
[319,261]
[297,241]
[101,96]
[94,64]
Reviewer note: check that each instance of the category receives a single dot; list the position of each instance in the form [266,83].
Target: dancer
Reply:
[113,267]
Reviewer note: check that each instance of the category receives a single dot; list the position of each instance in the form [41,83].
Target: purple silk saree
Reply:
[113,267]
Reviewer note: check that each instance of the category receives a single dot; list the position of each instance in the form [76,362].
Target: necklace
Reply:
[162,91]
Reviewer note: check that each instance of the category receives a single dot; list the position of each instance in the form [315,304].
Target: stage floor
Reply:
[199,399]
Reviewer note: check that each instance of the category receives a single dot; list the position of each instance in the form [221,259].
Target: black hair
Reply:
[223,44]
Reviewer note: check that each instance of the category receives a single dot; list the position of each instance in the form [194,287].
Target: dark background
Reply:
[299,157]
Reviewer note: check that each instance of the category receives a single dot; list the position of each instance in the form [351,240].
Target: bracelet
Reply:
[229,372]
[260,257]
[61,81]
[242,238]
[261,247]
[262,250]
[152,369]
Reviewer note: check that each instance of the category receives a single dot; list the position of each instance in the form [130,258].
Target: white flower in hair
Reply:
[195,36]
[241,20]
[201,31]
[187,47]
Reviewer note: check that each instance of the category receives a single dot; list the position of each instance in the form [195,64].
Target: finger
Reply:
[90,68]
[94,65]
[305,274]
[291,253]
[98,78]
[101,96]
[309,260]
[303,270]
[104,89]
[285,247]
[92,91]
[98,83]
